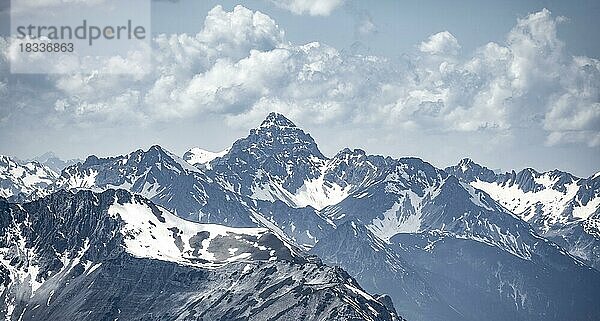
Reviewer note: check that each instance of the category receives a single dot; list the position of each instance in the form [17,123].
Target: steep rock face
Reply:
[25,181]
[382,270]
[482,281]
[558,205]
[277,154]
[87,256]
[389,202]
[280,162]
[435,275]
[354,169]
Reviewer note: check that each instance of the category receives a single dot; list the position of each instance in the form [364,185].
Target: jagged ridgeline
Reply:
[461,243]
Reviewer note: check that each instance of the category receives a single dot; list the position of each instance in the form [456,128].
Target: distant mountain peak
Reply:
[469,171]
[45,156]
[278,148]
[276,119]
[467,163]
[54,162]
[155,147]
[159,151]
[348,151]
[531,171]
[91,160]
[277,134]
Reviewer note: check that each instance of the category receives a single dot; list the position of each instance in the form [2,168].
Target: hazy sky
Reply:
[511,84]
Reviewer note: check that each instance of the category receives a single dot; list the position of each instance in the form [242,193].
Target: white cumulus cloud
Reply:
[442,43]
[311,7]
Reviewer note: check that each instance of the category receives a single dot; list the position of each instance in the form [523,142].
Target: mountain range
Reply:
[460,243]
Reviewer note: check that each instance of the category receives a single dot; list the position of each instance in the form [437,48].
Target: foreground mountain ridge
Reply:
[116,255]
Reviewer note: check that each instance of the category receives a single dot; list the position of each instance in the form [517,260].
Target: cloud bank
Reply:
[240,66]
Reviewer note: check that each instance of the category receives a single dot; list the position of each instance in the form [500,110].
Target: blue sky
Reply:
[510,84]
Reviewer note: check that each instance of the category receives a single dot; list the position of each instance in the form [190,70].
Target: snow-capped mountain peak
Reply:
[276,158]
[198,156]
[470,169]
[276,119]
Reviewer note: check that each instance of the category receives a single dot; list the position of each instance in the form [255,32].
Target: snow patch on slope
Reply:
[525,204]
[315,193]
[585,211]
[394,222]
[318,195]
[201,156]
[477,197]
[158,234]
